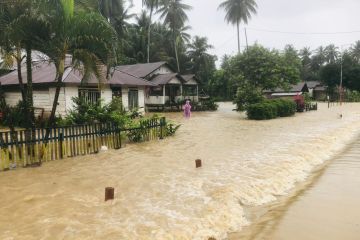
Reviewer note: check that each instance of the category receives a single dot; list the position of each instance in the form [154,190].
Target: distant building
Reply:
[316,90]
[129,88]
[170,87]
[294,90]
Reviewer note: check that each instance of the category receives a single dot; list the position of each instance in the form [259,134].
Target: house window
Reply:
[133,98]
[117,92]
[156,91]
[90,95]
[189,90]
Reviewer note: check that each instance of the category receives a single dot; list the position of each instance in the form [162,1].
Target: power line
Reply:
[302,33]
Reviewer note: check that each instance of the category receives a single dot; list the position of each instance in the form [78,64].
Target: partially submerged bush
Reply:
[246,95]
[271,109]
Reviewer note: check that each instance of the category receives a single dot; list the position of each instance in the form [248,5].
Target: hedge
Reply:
[271,109]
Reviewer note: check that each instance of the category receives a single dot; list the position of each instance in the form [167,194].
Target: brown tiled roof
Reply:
[293,88]
[46,73]
[121,78]
[162,79]
[141,70]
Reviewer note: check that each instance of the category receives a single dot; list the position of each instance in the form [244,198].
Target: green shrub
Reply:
[246,95]
[352,96]
[271,109]
[285,108]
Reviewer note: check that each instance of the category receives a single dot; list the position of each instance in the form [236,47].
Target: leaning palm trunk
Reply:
[21,82]
[51,122]
[176,54]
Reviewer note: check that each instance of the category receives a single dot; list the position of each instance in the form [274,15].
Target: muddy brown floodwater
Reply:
[159,194]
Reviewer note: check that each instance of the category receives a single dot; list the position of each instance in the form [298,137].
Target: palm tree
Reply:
[355,51]
[198,52]
[23,25]
[238,11]
[174,14]
[87,37]
[331,53]
[151,5]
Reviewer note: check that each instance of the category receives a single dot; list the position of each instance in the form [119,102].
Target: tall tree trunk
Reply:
[238,35]
[21,82]
[56,99]
[149,35]
[176,55]
[29,103]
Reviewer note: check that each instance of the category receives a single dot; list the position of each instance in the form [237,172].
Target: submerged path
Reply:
[158,192]
[328,208]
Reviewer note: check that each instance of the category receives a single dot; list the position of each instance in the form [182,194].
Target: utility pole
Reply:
[341,79]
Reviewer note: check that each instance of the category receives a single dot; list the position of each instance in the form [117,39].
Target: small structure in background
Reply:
[294,90]
[317,90]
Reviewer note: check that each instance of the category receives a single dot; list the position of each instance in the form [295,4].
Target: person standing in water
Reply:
[187,109]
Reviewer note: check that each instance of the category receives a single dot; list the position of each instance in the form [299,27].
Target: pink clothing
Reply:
[187,109]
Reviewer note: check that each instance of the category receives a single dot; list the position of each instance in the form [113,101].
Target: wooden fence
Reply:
[32,147]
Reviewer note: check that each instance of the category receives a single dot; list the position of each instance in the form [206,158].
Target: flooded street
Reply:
[158,192]
[327,208]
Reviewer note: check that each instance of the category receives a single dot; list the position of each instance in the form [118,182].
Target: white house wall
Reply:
[174,81]
[141,98]
[155,100]
[61,108]
[125,97]
[12,98]
[70,93]
[41,99]
[106,94]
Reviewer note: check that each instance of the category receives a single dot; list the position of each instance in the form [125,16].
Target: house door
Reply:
[133,99]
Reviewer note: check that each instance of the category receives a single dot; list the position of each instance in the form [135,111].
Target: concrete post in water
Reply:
[109,193]
[198,163]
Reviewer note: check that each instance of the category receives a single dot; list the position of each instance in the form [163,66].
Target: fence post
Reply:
[162,125]
[61,141]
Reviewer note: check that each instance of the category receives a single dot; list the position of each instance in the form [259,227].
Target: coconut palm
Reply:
[23,25]
[238,11]
[152,5]
[87,37]
[355,51]
[198,52]
[331,53]
[174,14]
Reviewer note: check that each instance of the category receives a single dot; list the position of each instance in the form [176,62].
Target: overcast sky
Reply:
[304,16]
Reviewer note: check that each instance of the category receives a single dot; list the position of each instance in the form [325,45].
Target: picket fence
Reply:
[26,148]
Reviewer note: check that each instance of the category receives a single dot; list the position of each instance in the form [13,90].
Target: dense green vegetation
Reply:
[264,68]
[271,109]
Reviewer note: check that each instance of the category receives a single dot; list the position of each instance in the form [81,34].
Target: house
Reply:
[316,90]
[130,88]
[171,87]
[294,90]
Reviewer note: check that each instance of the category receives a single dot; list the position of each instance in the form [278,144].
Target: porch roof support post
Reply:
[163,95]
[197,92]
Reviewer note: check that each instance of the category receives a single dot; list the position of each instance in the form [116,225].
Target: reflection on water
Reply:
[159,193]
[327,208]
